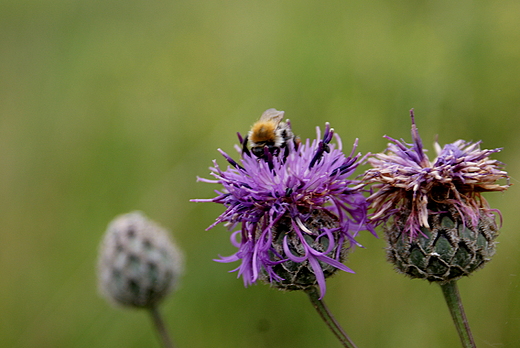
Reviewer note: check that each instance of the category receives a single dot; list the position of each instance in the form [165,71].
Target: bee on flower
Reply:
[269,133]
[293,214]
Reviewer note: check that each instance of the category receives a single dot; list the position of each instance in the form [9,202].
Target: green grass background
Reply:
[111,106]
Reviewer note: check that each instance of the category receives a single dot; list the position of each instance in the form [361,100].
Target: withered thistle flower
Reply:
[293,213]
[437,224]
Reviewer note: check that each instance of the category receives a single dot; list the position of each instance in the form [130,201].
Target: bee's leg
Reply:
[285,150]
[268,157]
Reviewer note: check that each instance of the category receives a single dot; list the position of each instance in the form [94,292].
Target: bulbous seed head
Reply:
[138,263]
[448,250]
[301,275]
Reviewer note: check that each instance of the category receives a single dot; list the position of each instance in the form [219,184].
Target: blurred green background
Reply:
[111,106]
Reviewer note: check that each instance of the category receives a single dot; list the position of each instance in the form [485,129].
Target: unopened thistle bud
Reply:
[437,224]
[294,210]
[138,264]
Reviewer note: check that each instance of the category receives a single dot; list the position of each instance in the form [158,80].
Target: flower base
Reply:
[450,249]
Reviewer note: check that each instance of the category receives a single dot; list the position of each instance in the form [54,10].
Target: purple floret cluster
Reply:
[294,183]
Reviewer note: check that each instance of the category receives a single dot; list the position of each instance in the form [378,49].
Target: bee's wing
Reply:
[272,115]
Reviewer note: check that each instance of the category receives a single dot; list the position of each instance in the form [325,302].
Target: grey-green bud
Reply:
[138,263]
[450,249]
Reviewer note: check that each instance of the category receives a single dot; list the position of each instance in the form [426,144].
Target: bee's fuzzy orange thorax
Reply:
[263,132]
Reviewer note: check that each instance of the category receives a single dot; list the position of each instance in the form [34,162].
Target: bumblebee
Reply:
[269,131]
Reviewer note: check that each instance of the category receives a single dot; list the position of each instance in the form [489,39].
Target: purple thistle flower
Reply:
[292,212]
[440,225]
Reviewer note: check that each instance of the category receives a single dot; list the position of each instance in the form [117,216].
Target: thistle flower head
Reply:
[138,264]
[291,213]
[437,224]
[405,179]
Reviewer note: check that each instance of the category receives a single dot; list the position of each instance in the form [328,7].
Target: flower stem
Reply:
[327,317]
[161,327]
[452,297]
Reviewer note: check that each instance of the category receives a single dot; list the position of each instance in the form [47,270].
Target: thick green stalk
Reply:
[327,317]
[452,296]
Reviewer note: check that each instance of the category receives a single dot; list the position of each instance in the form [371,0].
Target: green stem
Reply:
[452,297]
[327,317]
[161,327]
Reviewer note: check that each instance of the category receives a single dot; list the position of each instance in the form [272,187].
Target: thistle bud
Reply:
[437,224]
[138,264]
